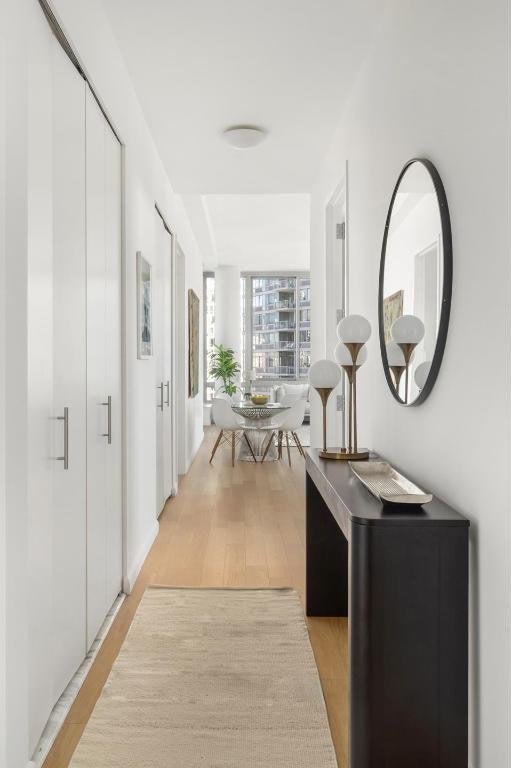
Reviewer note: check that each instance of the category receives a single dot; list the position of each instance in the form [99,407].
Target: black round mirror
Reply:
[415,282]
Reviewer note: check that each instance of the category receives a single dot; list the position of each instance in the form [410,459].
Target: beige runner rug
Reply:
[212,678]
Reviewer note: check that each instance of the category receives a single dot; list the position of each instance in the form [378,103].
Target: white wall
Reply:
[228,308]
[26,301]
[3,520]
[146,182]
[436,85]
[13,362]
[3,574]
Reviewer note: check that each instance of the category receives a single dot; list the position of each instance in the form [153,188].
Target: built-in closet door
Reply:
[104,480]
[69,363]
[163,362]
[168,413]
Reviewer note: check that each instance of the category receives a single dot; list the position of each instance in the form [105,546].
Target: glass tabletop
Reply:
[251,411]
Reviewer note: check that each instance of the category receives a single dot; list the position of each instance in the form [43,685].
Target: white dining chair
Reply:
[222,396]
[286,426]
[232,427]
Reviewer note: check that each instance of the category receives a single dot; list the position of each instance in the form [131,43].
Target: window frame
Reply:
[205,367]
[248,357]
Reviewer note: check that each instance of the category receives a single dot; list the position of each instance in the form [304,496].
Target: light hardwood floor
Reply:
[241,526]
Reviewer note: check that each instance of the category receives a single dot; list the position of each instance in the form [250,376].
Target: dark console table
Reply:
[402,580]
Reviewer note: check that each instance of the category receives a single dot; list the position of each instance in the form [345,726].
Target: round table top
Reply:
[251,411]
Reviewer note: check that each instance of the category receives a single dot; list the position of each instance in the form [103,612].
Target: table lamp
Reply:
[353,332]
[344,357]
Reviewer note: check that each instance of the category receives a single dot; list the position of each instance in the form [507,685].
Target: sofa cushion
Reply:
[300,390]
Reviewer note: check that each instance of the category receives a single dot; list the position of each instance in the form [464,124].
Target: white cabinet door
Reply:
[97,411]
[159,359]
[40,380]
[69,359]
[104,522]
[167,365]
[113,244]
[162,322]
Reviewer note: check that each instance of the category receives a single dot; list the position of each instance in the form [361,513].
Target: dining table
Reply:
[258,418]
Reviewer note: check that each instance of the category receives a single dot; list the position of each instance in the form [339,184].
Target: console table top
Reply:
[349,500]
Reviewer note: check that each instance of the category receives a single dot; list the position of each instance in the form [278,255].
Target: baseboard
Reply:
[129,580]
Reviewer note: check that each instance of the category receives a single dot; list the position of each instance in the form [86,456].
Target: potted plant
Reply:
[224,367]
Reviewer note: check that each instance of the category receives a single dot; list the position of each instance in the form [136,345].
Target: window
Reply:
[209,332]
[276,326]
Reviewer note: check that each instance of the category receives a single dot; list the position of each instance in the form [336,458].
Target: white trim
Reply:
[129,580]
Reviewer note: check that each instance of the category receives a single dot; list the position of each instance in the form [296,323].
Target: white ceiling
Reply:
[199,66]
[260,232]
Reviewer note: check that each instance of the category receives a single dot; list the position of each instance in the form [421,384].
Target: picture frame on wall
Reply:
[144,308]
[193,343]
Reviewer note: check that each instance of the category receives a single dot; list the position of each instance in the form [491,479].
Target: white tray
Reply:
[388,485]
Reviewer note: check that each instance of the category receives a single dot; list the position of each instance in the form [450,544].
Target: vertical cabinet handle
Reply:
[108,434]
[65,419]
[167,401]
[160,387]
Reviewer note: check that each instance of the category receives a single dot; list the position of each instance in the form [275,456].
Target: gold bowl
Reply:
[259,399]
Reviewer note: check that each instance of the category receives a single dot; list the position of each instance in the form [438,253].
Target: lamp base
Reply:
[342,454]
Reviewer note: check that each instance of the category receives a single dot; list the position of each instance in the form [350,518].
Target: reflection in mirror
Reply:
[412,301]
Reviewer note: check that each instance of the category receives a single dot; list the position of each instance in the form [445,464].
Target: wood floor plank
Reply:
[227,527]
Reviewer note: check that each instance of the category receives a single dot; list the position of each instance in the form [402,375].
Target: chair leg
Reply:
[233,443]
[288,451]
[267,446]
[249,445]
[298,444]
[216,445]
[279,441]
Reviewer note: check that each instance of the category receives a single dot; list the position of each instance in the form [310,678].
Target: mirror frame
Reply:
[446,287]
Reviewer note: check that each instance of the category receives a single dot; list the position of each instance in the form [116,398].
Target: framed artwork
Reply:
[144,308]
[392,309]
[193,343]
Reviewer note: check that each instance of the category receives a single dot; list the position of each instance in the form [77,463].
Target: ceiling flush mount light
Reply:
[244,136]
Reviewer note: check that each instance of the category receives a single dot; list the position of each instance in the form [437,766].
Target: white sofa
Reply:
[299,390]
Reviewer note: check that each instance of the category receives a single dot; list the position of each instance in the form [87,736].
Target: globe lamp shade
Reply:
[421,373]
[324,374]
[354,329]
[407,329]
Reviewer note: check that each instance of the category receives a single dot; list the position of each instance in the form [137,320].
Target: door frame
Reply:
[337,271]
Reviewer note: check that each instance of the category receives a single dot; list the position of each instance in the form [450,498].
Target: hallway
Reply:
[241,527]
